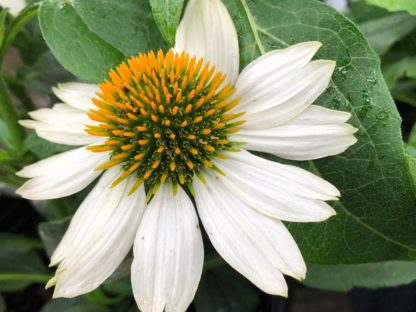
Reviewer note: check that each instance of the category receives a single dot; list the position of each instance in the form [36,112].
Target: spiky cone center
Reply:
[164,118]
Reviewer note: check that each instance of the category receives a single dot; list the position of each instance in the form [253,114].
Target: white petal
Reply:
[62,124]
[316,133]
[278,191]
[99,237]
[77,94]
[15,6]
[259,247]
[275,65]
[61,175]
[281,84]
[168,254]
[208,31]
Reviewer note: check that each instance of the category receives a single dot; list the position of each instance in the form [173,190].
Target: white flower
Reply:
[172,121]
[15,6]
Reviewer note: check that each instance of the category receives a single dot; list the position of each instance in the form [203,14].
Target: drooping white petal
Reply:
[168,254]
[281,84]
[62,124]
[316,133]
[208,31]
[257,246]
[93,212]
[61,175]
[279,191]
[99,237]
[77,94]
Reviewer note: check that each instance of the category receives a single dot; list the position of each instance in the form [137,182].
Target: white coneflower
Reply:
[175,122]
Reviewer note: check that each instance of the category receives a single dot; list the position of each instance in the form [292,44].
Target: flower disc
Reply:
[164,116]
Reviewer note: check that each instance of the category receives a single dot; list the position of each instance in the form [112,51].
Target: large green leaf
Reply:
[396,5]
[91,37]
[376,216]
[344,277]
[167,15]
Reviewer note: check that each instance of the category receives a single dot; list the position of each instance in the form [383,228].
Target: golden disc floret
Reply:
[163,117]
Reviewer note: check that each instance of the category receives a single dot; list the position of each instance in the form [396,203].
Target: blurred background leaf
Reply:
[396,5]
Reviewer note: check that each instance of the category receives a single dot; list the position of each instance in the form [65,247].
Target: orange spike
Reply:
[100,148]
[139,156]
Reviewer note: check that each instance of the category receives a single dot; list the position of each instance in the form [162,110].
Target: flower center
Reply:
[165,117]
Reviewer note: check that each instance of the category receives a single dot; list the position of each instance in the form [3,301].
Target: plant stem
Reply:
[24,277]
[16,25]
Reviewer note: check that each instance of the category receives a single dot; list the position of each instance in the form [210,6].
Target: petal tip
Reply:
[22,173]
[27,123]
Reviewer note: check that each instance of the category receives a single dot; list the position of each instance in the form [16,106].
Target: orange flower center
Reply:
[164,117]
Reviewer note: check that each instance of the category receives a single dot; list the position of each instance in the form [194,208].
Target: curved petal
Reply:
[258,247]
[281,84]
[99,237]
[62,124]
[168,254]
[316,133]
[60,175]
[273,66]
[208,31]
[76,94]
[279,191]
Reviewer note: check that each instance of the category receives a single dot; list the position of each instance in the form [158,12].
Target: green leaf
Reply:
[3,18]
[396,5]
[344,277]
[384,31]
[78,304]
[14,240]
[405,91]
[167,15]
[91,37]
[51,233]
[5,136]
[20,267]
[405,67]
[43,148]
[127,25]
[120,286]
[44,74]
[223,289]
[359,11]
[376,216]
